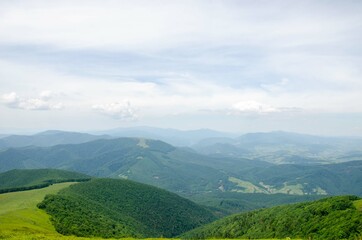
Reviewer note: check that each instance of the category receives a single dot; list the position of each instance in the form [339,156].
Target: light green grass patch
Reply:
[246,187]
[19,212]
[358,205]
[42,236]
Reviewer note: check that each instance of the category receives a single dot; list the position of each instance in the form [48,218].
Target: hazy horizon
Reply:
[231,66]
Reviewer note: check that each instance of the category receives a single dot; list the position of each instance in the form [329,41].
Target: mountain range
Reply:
[275,147]
[47,138]
[185,171]
[284,147]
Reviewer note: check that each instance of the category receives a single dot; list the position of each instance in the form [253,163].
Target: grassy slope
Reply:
[18,210]
[330,218]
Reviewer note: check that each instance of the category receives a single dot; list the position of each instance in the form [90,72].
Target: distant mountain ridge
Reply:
[173,136]
[284,147]
[48,138]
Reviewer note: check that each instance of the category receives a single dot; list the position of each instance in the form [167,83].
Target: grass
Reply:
[19,213]
[42,236]
[358,205]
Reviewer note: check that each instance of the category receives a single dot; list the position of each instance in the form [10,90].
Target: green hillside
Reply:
[331,218]
[122,208]
[23,179]
[226,203]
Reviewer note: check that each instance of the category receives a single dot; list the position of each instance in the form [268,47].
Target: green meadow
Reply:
[20,217]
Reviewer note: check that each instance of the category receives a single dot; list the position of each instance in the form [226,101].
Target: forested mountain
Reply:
[47,138]
[332,218]
[122,208]
[143,160]
[186,172]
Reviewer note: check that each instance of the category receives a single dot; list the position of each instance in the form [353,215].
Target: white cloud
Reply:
[253,107]
[46,95]
[122,111]
[12,100]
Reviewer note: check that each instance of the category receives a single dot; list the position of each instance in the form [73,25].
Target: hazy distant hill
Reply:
[284,147]
[3,135]
[172,136]
[122,208]
[331,218]
[48,138]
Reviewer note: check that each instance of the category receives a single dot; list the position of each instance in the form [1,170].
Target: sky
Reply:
[236,66]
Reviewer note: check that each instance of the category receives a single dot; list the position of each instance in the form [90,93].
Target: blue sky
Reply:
[239,66]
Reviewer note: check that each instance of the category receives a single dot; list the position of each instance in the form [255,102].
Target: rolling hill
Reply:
[122,208]
[23,179]
[330,218]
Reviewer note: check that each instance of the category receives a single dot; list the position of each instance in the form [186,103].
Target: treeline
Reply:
[330,218]
[46,183]
[74,215]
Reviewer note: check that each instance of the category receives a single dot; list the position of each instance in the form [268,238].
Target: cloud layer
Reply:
[153,60]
